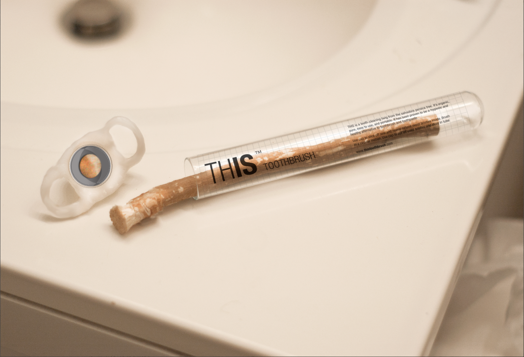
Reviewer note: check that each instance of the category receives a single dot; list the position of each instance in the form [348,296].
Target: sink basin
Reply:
[172,52]
[183,53]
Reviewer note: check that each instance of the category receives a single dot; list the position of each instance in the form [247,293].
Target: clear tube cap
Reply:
[474,108]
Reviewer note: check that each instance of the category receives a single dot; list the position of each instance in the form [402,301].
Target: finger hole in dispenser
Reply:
[125,141]
[62,193]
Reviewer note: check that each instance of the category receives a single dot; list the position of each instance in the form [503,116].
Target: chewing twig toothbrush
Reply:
[279,157]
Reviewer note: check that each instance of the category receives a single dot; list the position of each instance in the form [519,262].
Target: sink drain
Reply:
[94,19]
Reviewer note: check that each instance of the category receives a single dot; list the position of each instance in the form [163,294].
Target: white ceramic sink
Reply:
[180,53]
[358,259]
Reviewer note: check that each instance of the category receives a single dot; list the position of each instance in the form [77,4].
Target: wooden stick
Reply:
[153,201]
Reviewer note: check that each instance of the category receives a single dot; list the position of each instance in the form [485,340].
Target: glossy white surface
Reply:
[358,259]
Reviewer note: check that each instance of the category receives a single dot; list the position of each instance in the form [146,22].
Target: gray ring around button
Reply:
[105,161]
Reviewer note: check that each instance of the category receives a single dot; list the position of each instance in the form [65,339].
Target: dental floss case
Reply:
[93,166]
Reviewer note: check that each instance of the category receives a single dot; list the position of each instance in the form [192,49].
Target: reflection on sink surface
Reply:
[180,53]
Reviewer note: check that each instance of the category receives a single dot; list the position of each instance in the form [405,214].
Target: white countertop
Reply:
[357,259]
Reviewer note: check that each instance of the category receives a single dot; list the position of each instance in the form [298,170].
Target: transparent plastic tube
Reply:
[279,157]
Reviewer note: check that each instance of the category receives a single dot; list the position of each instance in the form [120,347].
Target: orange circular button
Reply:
[90,166]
